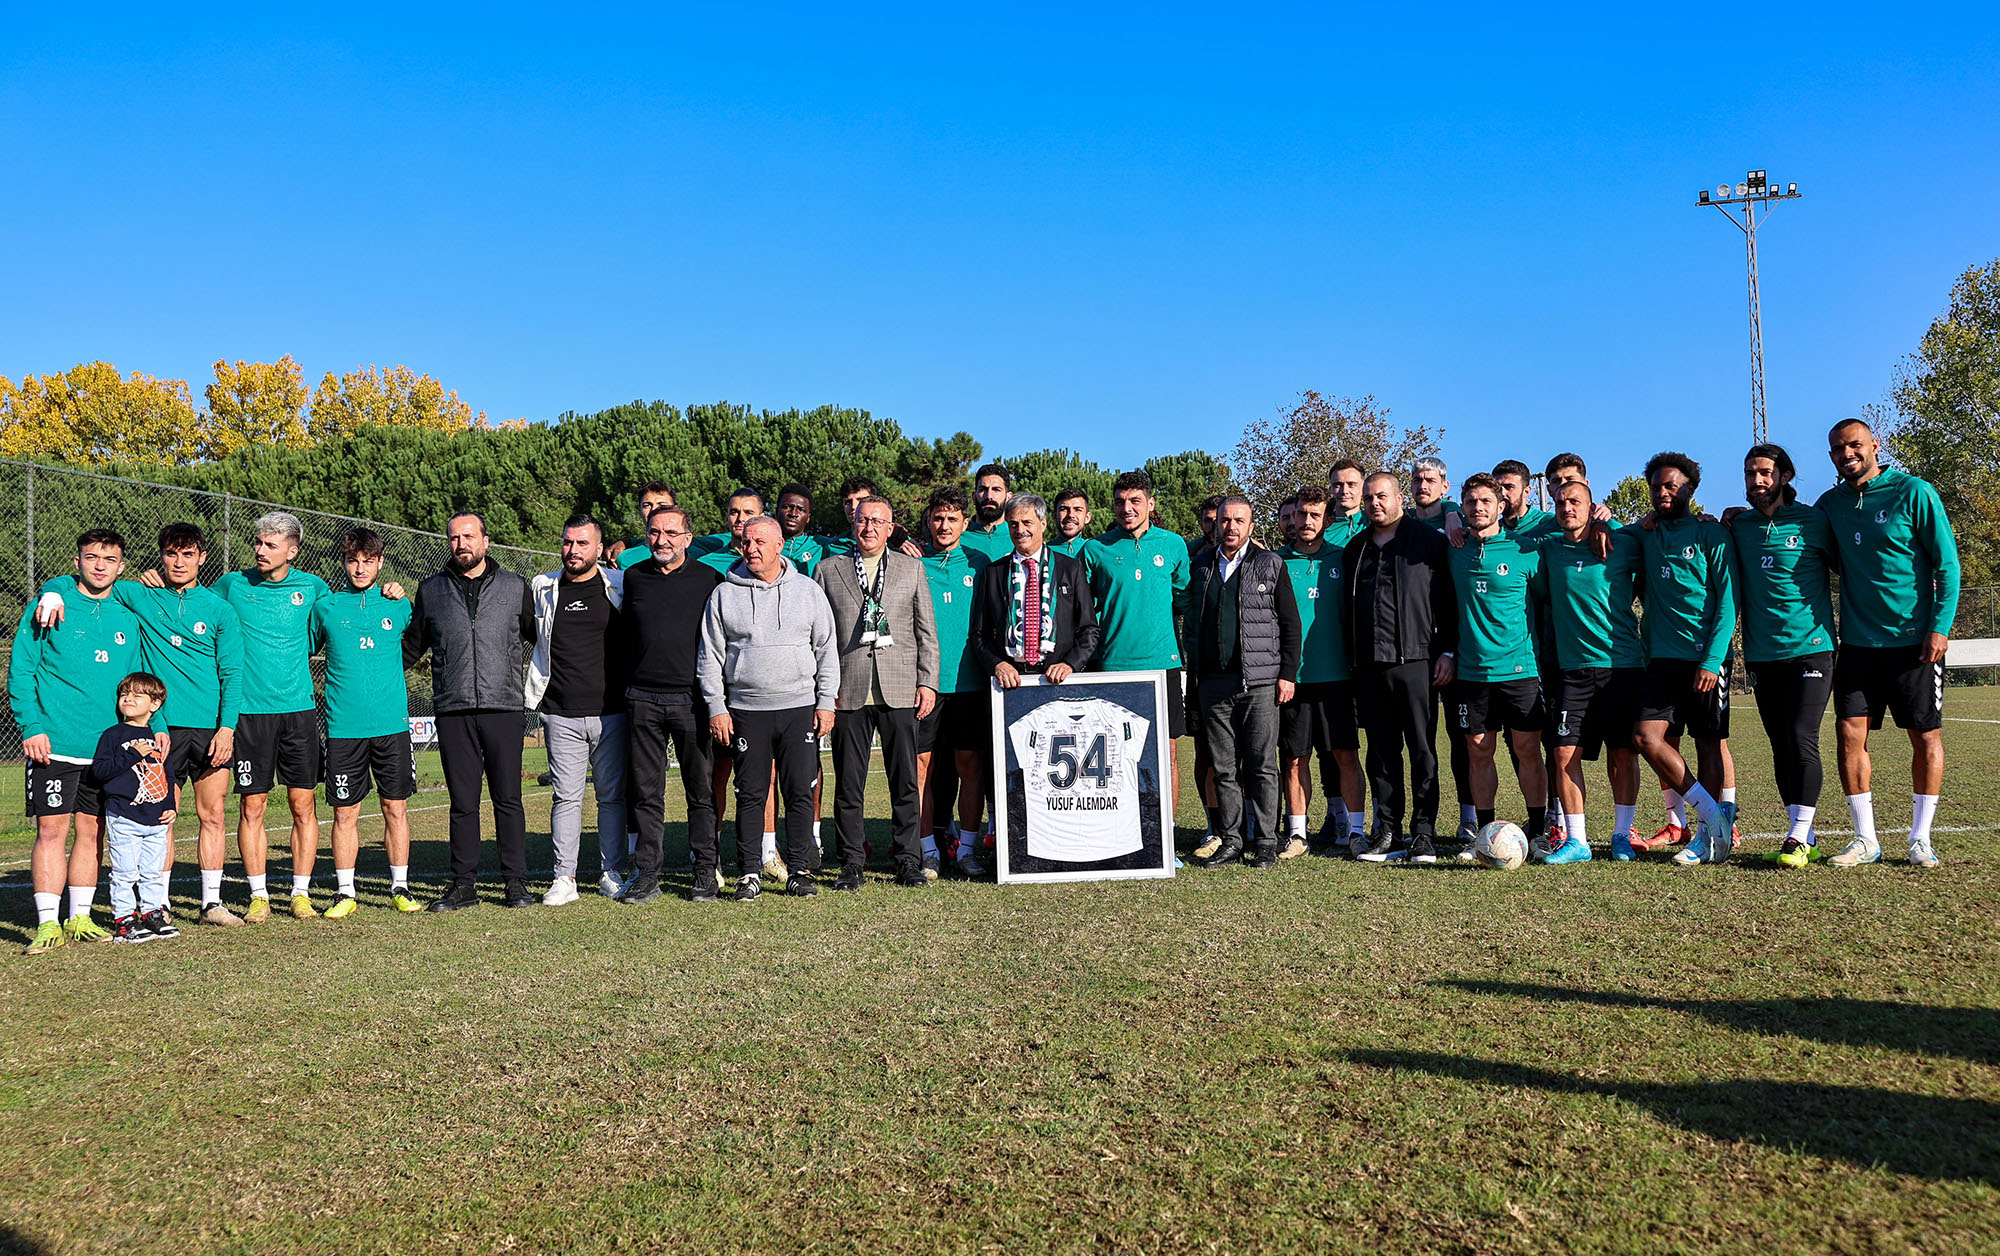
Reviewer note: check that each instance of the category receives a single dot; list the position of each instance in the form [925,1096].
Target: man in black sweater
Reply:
[664,598]
[1400,618]
[1241,639]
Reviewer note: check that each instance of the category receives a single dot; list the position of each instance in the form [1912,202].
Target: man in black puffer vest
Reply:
[477,619]
[1241,642]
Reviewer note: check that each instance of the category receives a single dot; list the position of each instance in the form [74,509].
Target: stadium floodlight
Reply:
[1722,190]
[1742,189]
[1756,180]
[1756,190]
[1791,189]
[1703,194]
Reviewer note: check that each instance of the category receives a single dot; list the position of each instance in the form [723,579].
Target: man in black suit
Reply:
[1034,612]
[1399,613]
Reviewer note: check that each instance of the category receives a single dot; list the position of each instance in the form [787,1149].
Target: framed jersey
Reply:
[1085,777]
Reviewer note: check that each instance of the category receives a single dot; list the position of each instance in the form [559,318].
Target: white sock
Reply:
[1923,809]
[399,876]
[1676,807]
[1728,794]
[1295,826]
[770,847]
[80,899]
[211,886]
[1862,808]
[345,878]
[1467,814]
[1703,803]
[46,907]
[815,832]
[1622,825]
[1802,818]
[257,889]
[301,884]
[1574,826]
[930,846]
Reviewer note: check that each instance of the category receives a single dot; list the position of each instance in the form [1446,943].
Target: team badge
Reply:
[1501,570]
[968,579]
[118,638]
[742,745]
[298,599]
[386,625]
[1791,542]
[1881,516]
[1687,551]
[200,628]
[1159,560]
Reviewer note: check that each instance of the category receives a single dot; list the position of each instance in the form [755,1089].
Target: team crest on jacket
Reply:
[1501,570]
[298,599]
[387,626]
[1687,551]
[1159,560]
[1881,516]
[968,579]
[118,638]
[200,628]
[1792,542]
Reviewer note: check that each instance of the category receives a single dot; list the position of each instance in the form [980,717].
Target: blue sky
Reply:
[1121,230]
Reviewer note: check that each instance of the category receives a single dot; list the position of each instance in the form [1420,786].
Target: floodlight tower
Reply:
[1755,190]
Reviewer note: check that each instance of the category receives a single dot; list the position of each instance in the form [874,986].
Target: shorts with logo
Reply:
[1319,717]
[60,789]
[190,754]
[1595,708]
[1868,680]
[959,721]
[1488,706]
[1668,693]
[277,749]
[353,764]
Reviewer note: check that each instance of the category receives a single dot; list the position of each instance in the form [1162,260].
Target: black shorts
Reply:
[353,764]
[1868,680]
[1487,706]
[1595,708]
[189,754]
[959,721]
[1178,699]
[62,789]
[1319,717]
[277,749]
[1668,694]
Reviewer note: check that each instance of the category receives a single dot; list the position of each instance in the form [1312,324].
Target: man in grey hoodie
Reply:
[770,671]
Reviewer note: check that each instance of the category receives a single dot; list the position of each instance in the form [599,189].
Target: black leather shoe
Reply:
[460,896]
[517,895]
[1228,853]
[849,879]
[644,887]
[1266,856]
[801,885]
[1423,847]
[1376,849]
[911,876]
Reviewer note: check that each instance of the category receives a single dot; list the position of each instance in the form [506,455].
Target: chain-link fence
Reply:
[51,506]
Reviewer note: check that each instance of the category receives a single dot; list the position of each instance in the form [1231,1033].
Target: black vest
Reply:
[1258,642]
[477,663]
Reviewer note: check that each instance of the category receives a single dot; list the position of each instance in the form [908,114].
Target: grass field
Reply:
[1606,1058]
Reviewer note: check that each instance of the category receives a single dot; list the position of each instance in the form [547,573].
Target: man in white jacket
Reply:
[575,679]
[770,671]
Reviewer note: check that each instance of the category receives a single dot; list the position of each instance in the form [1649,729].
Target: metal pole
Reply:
[227,532]
[1760,426]
[33,583]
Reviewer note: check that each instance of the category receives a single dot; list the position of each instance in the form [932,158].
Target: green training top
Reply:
[1690,592]
[1533,527]
[1140,587]
[1339,532]
[361,634]
[954,579]
[1450,507]
[191,640]
[807,550]
[1496,629]
[1072,547]
[1782,588]
[63,681]
[276,617]
[994,542]
[1316,588]
[634,553]
[1898,562]
[1587,601]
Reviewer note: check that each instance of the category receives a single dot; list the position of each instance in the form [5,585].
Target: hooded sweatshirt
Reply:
[768,647]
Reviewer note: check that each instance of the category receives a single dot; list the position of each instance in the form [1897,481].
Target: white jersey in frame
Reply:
[1079,762]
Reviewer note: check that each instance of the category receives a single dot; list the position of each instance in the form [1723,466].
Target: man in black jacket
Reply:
[1241,640]
[1034,612]
[478,674]
[1400,618]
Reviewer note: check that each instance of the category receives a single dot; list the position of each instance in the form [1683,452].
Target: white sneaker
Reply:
[1921,854]
[562,890]
[610,885]
[1859,851]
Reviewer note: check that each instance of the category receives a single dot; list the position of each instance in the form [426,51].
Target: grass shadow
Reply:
[1944,1139]
[1964,1033]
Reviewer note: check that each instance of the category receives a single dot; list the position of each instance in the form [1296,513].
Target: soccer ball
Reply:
[1501,845]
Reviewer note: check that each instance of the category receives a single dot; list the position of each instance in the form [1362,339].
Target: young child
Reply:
[139,799]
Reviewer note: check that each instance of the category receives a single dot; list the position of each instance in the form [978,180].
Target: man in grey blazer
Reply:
[888,642]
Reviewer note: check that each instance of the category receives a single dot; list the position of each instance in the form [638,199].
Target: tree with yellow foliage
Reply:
[397,397]
[256,403]
[91,414]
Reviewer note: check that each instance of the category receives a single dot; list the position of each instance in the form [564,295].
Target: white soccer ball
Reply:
[1501,845]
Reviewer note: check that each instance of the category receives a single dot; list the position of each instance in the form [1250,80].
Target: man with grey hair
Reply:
[277,733]
[1430,489]
[1034,612]
[769,669]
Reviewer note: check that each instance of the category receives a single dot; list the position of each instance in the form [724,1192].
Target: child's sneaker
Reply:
[160,923]
[130,928]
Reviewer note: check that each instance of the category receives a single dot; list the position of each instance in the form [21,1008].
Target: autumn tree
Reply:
[1276,457]
[397,397]
[255,403]
[91,414]
[1946,424]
